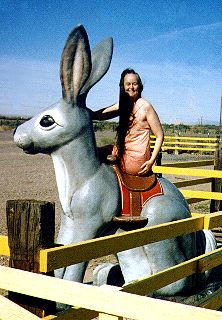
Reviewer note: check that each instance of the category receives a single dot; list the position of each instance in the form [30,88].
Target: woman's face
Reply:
[131,85]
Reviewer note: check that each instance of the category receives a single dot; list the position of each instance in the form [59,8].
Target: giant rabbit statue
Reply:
[88,189]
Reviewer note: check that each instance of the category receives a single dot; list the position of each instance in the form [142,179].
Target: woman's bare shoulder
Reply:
[144,103]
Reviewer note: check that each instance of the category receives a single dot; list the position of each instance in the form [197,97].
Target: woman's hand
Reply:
[146,167]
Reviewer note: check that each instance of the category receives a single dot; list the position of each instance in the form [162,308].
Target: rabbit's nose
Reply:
[21,138]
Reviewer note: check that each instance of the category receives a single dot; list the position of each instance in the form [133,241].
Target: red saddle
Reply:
[136,191]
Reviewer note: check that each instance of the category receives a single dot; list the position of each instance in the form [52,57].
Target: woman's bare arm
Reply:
[156,128]
[106,113]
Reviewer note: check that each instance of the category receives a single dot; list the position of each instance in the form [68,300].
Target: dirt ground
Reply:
[32,177]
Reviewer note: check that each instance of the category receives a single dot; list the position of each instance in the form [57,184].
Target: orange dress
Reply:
[137,143]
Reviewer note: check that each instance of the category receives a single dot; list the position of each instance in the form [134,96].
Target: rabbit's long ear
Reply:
[101,59]
[75,64]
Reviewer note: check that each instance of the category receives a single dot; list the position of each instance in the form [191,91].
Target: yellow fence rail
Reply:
[188,172]
[54,258]
[110,303]
[186,169]
[107,300]
[58,257]
[195,144]
[92,300]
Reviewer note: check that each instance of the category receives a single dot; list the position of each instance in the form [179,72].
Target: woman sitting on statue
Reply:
[137,118]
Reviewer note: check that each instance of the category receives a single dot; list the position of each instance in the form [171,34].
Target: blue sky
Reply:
[174,45]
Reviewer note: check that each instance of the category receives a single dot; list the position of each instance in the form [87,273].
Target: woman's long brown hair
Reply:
[125,111]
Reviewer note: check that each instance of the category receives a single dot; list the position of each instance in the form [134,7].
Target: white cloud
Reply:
[207,28]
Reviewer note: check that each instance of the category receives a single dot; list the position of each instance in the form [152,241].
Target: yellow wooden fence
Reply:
[114,303]
[188,144]
[206,177]
[88,301]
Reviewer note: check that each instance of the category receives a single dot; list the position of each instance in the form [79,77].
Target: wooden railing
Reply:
[108,302]
[111,302]
[184,169]
[179,144]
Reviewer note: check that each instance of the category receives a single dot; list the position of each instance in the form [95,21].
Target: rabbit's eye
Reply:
[47,121]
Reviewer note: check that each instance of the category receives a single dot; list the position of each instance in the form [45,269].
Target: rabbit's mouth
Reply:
[30,149]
